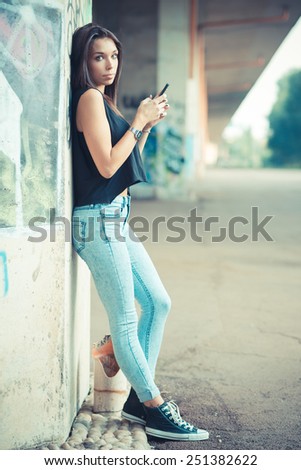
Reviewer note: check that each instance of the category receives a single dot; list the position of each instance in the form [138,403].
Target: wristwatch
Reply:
[136,132]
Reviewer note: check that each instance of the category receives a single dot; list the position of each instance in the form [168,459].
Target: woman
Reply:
[106,162]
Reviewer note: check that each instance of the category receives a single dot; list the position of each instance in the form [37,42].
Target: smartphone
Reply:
[164,89]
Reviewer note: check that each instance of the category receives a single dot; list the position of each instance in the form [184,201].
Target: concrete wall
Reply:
[157,41]
[44,286]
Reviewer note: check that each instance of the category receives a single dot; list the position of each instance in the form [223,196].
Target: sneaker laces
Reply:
[173,413]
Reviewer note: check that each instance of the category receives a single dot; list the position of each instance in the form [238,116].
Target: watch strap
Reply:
[137,133]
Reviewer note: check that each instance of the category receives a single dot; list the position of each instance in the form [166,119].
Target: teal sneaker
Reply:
[166,422]
[133,410]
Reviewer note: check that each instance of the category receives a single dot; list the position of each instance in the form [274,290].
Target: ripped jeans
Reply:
[122,271]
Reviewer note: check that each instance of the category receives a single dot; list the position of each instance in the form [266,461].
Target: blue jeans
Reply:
[122,271]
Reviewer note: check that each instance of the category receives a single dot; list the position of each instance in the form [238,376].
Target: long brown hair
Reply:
[82,40]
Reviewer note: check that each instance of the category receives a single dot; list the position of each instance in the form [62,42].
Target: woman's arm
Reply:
[143,140]
[92,121]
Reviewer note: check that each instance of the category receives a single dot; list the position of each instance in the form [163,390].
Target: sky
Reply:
[256,106]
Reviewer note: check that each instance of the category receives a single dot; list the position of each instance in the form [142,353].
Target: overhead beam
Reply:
[246,21]
[258,63]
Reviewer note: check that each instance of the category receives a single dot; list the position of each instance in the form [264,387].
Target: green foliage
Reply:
[284,141]
[241,151]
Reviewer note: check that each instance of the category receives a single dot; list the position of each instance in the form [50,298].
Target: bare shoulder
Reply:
[91,96]
[90,106]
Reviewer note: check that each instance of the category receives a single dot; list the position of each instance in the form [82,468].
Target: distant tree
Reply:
[284,141]
[241,151]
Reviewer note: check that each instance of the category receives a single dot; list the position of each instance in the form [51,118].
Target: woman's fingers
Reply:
[159,108]
[147,100]
[154,108]
[159,99]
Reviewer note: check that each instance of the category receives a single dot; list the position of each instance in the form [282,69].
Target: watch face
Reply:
[136,132]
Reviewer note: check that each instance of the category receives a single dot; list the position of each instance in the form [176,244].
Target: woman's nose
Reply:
[109,64]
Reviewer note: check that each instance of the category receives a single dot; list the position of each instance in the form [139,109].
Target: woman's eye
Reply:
[115,56]
[99,57]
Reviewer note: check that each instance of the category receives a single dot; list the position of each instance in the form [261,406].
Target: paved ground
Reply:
[232,345]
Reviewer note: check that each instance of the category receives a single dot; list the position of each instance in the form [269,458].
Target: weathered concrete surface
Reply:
[44,286]
[231,352]
[100,431]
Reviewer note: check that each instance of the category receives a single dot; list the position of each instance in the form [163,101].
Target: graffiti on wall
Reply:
[4,274]
[10,117]
[171,148]
[32,65]
[164,156]
[30,35]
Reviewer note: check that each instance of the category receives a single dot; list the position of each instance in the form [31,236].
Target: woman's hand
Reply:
[151,124]
[151,111]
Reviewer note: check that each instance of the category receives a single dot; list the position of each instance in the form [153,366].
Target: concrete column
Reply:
[160,40]
[44,286]
[203,103]
[136,26]
[178,136]
[172,67]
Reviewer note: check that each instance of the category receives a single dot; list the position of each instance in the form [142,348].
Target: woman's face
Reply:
[103,62]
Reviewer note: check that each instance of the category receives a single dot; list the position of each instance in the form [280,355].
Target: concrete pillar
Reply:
[203,103]
[45,301]
[179,149]
[173,67]
[136,26]
[158,37]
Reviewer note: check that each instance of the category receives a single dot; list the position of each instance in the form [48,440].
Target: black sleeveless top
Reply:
[89,186]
